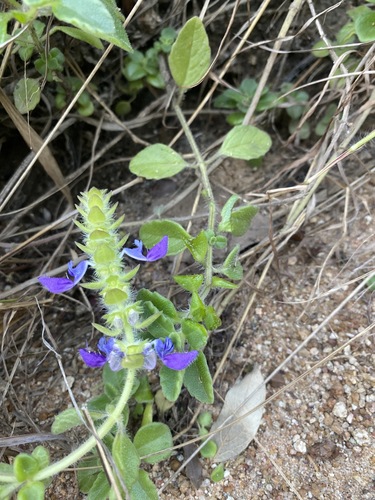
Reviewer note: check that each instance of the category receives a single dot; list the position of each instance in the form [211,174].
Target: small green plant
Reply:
[90,21]
[361,27]
[142,329]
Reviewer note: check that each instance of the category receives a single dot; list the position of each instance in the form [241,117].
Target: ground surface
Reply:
[316,439]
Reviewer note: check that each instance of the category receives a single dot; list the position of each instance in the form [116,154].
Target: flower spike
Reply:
[61,285]
[157,252]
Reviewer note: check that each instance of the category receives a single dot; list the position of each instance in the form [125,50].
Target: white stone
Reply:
[339,410]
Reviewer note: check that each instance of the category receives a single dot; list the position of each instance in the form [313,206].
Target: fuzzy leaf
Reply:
[152,232]
[33,490]
[198,247]
[365,27]
[126,458]
[246,143]
[26,95]
[161,303]
[144,488]
[190,56]
[198,381]
[195,334]
[240,399]
[157,162]
[171,382]
[152,438]
[222,283]
[99,18]
[241,218]
[189,282]
[100,488]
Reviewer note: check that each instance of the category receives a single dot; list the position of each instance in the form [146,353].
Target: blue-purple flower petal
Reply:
[106,345]
[56,285]
[79,271]
[163,348]
[179,360]
[158,251]
[93,359]
[61,285]
[135,253]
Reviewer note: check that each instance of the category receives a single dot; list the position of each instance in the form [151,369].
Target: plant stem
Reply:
[207,193]
[88,445]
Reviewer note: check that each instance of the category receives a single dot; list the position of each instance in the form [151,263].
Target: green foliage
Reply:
[144,488]
[246,142]
[126,458]
[190,56]
[154,440]
[157,162]
[217,474]
[26,95]
[236,221]
[171,382]
[198,381]
[33,490]
[152,232]
[143,68]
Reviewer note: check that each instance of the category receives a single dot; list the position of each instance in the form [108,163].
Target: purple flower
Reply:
[61,285]
[155,253]
[109,353]
[164,350]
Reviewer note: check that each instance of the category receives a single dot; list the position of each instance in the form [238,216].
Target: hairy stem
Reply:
[207,193]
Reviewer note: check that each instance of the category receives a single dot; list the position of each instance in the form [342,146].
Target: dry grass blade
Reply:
[35,142]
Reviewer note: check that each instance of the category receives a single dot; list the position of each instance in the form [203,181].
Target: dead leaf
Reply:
[240,399]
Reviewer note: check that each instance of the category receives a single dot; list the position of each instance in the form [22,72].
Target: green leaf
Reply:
[226,213]
[209,449]
[231,266]
[42,456]
[26,95]
[198,247]
[162,327]
[218,473]
[151,439]
[197,308]
[87,472]
[161,303]
[66,420]
[198,381]
[152,232]
[144,488]
[189,282]
[157,162]
[246,143]
[365,27]
[190,56]
[211,319]
[25,467]
[171,382]
[100,488]
[79,34]
[222,283]
[320,49]
[32,491]
[241,218]
[98,18]
[144,393]
[126,458]
[195,334]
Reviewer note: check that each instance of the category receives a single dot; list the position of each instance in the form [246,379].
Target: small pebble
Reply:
[339,410]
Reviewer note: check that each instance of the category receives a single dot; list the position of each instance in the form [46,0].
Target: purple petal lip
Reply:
[173,360]
[61,285]
[157,252]
[179,360]
[93,359]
